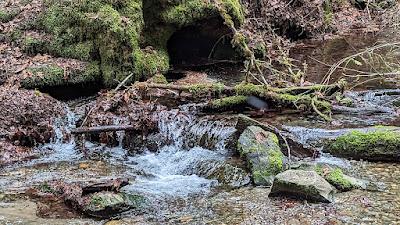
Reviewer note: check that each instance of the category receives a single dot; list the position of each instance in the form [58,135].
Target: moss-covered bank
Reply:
[123,36]
[383,144]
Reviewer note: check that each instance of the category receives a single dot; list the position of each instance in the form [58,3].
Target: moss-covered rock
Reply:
[53,75]
[126,36]
[379,145]
[262,153]
[303,184]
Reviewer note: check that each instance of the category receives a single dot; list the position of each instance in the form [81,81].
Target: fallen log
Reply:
[99,129]
[362,110]
[249,89]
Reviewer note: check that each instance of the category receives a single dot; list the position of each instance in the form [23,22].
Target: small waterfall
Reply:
[62,147]
[186,130]
[62,126]
[174,169]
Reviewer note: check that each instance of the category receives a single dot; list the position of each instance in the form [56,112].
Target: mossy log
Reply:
[234,97]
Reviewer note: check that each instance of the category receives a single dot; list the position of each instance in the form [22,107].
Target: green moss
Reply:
[328,11]
[229,102]
[198,89]
[52,75]
[159,79]
[262,152]
[275,166]
[32,46]
[7,16]
[112,32]
[381,144]
[336,178]
[249,89]
[260,50]
[82,50]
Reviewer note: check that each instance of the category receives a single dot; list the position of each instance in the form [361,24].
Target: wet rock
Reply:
[228,175]
[297,148]
[341,181]
[109,204]
[101,199]
[379,145]
[336,177]
[303,184]
[108,185]
[262,153]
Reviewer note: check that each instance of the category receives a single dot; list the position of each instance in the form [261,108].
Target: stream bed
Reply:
[173,182]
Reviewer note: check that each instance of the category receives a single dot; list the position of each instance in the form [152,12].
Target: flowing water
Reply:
[177,192]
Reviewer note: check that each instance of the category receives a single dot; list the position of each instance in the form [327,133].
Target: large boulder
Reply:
[379,145]
[262,153]
[303,184]
[296,147]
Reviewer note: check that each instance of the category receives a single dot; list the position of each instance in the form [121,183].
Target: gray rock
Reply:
[296,147]
[228,175]
[262,153]
[303,184]
[109,204]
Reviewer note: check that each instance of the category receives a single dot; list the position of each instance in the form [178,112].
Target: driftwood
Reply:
[99,129]
[362,110]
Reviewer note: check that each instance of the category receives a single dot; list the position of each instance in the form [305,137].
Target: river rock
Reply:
[303,184]
[262,153]
[380,145]
[296,147]
[228,175]
[336,177]
[108,204]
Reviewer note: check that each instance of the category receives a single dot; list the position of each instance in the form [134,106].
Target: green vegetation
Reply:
[199,89]
[381,144]
[6,16]
[114,33]
[159,79]
[52,75]
[337,179]
[263,154]
[228,102]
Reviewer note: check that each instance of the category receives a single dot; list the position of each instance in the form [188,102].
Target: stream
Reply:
[188,145]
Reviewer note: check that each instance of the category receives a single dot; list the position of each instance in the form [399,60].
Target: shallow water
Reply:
[178,195]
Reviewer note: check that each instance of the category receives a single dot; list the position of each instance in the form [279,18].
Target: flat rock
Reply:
[304,185]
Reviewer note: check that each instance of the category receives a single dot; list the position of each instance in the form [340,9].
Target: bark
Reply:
[99,129]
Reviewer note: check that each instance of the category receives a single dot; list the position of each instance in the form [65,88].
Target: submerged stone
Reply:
[108,204]
[228,175]
[379,145]
[262,153]
[304,185]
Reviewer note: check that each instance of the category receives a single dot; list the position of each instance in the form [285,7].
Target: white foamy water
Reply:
[171,172]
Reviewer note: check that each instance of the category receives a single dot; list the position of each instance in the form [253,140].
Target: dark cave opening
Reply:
[205,42]
[72,91]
